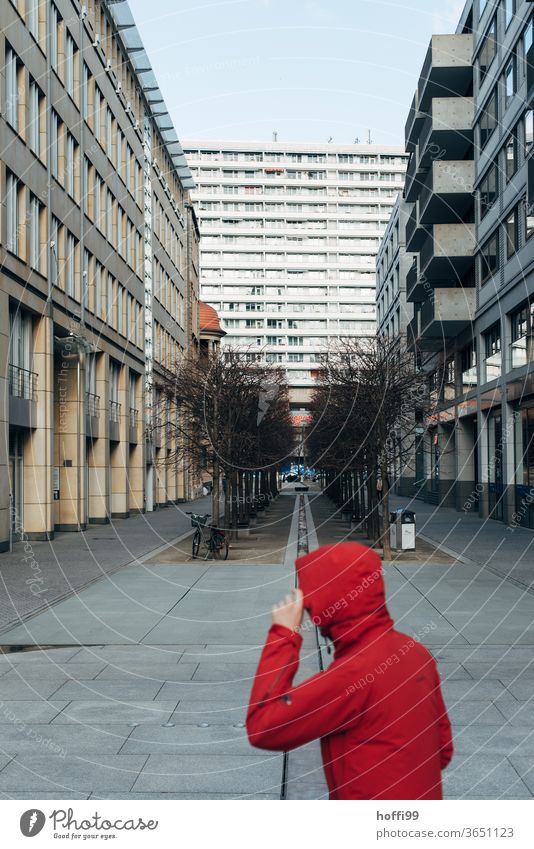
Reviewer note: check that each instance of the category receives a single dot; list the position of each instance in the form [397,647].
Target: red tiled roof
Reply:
[209,319]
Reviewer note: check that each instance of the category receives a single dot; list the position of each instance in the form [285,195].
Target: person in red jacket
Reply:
[377,709]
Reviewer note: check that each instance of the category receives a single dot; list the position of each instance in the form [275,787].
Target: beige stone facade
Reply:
[99,270]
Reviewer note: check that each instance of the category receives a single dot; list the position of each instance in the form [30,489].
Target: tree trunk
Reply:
[386,542]
[216,492]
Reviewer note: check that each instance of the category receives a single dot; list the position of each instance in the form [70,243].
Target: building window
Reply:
[487,52]
[529,129]
[529,224]
[489,258]
[37,255]
[56,24]
[509,12]
[522,327]
[509,82]
[54,145]
[70,59]
[493,357]
[13,72]
[35,124]
[12,213]
[70,265]
[511,226]
[488,191]
[511,152]
[469,367]
[488,119]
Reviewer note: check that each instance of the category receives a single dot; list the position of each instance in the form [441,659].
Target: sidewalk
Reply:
[506,551]
[143,691]
[37,574]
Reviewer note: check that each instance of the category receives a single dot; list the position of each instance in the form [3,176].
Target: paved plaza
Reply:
[140,687]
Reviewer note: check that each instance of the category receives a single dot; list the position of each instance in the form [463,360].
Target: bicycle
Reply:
[215,542]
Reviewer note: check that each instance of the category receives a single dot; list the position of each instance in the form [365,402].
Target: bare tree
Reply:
[234,411]
[364,420]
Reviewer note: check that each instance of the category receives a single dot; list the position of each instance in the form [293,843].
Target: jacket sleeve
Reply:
[281,717]
[444,725]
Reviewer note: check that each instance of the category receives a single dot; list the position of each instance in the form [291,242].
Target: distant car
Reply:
[291,477]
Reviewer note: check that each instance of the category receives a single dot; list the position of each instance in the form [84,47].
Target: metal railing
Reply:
[134,416]
[22,382]
[92,404]
[114,411]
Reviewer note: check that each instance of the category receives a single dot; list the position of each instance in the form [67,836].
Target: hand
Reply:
[289,611]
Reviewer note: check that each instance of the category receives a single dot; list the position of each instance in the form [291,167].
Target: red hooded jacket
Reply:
[377,708]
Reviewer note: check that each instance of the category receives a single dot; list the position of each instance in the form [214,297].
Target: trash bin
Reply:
[402,530]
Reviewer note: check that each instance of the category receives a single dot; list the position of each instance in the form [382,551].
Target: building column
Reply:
[447,465]
[466,457]
[70,438]
[483,469]
[119,453]
[5,517]
[39,455]
[509,416]
[136,466]
[98,451]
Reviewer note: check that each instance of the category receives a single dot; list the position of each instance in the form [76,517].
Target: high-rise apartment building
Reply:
[99,269]
[289,236]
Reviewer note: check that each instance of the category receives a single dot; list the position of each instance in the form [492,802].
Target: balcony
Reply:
[417,286]
[157,428]
[133,419]
[447,69]
[448,252]
[92,414]
[22,405]
[415,235]
[445,314]
[447,192]
[114,421]
[447,132]
[411,183]
[413,125]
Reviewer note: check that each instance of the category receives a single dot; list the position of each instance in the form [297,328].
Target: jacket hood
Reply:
[344,593]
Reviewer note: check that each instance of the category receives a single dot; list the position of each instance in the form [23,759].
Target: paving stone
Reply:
[208,691]
[16,689]
[191,712]
[522,688]
[467,712]
[141,690]
[229,672]
[488,776]
[188,740]
[55,672]
[211,774]
[518,714]
[70,739]
[525,768]
[51,655]
[503,740]
[456,691]
[40,711]
[44,794]
[98,711]
[135,653]
[147,672]
[185,796]
[53,773]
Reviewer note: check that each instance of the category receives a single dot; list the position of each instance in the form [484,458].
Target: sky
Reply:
[310,70]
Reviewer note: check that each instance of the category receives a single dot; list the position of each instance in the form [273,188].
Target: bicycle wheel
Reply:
[220,547]
[195,546]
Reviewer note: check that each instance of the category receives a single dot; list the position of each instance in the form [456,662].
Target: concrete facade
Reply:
[470,186]
[99,269]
